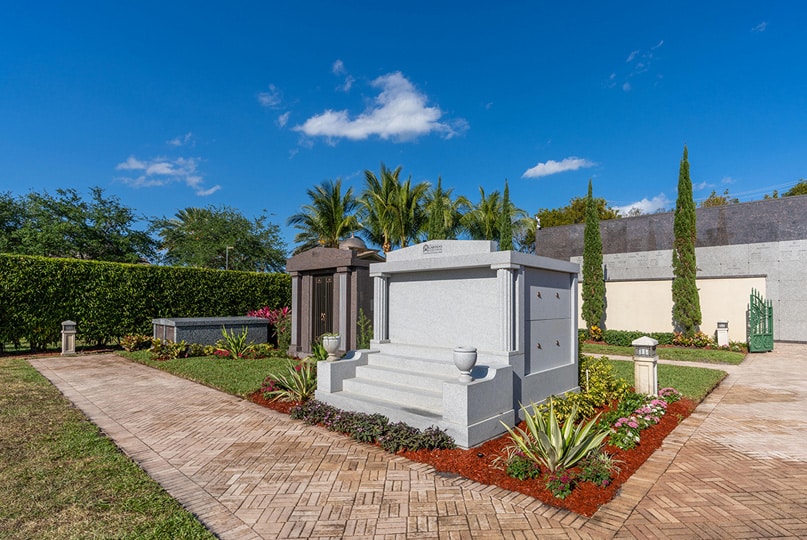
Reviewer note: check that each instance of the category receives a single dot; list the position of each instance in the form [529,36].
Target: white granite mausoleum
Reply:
[517,310]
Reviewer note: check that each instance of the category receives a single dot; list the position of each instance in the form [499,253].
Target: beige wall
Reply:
[647,305]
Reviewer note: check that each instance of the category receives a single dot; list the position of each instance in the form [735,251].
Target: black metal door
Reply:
[323,306]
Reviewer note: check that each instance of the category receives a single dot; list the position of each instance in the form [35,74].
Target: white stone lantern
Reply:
[645,365]
[68,338]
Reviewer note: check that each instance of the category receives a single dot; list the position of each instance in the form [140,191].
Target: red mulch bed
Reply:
[585,499]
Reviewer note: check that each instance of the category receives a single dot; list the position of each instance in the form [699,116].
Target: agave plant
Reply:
[557,448]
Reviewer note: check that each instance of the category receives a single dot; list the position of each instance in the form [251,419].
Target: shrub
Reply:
[365,331]
[372,428]
[135,342]
[112,300]
[318,350]
[698,339]
[624,338]
[635,413]
[597,468]
[598,387]
[165,349]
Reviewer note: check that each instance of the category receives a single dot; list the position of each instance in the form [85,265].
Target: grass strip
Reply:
[239,377]
[62,478]
[670,353]
[694,382]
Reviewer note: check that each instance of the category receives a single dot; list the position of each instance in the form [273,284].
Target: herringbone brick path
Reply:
[737,468]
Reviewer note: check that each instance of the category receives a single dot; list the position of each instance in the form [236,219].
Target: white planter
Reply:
[465,360]
[331,344]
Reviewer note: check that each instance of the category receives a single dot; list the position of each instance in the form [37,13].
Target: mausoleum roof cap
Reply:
[353,243]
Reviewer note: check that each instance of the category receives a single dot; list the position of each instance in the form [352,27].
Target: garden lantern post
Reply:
[645,365]
[68,338]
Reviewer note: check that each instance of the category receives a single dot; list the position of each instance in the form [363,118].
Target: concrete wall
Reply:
[764,240]
[647,305]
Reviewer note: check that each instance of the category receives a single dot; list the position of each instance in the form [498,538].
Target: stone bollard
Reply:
[68,338]
[645,365]
[722,333]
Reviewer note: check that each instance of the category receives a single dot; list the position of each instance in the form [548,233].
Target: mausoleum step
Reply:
[403,377]
[423,365]
[402,396]
[412,414]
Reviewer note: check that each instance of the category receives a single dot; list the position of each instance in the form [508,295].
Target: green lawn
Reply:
[61,478]
[694,382]
[238,377]
[669,353]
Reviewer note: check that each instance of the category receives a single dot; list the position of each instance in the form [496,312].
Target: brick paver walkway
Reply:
[736,468]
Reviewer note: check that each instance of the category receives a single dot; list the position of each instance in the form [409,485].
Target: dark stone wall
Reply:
[770,220]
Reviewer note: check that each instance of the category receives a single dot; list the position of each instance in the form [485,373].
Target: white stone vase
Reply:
[465,360]
[331,344]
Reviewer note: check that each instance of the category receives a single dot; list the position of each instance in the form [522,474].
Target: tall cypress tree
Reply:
[506,222]
[593,284]
[686,302]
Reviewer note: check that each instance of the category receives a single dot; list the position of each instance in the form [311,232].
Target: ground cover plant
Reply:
[62,479]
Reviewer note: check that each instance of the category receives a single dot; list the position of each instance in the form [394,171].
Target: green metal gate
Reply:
[760,323]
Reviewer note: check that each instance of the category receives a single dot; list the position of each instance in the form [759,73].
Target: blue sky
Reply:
[248,104]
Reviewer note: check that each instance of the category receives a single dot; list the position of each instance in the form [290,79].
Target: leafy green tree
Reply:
[11,219]
[686,302]
[327,219]
[67,226]
[392,212]
[798,189]
[200,237]
[718,200]
[444,213]
[593,284]
[506,221]
[574,212]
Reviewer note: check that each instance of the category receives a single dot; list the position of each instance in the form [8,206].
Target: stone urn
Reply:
[465,360]
[331,344]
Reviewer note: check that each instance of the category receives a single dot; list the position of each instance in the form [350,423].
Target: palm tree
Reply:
[392,214]
[328,218]
[410,218]
[444,214]
[482,222]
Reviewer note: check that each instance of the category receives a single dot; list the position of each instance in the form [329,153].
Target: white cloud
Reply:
[283,119]
[645,206]
[348,84]
[554,167]
[727,180]
[272,98]
[700,186]
[399,112]
[162,171]
[639,61]
[338,68]
[761,27]
[180,141]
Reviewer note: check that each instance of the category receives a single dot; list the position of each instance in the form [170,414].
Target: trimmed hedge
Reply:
[624,338]
[110,300]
